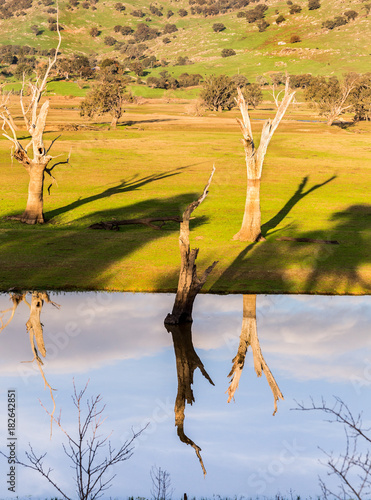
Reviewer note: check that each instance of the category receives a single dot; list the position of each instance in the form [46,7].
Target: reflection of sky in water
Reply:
[315,346]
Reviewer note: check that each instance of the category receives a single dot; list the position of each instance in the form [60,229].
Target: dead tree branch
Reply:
[115,224]
[353,467]
[189,283]
[92,476]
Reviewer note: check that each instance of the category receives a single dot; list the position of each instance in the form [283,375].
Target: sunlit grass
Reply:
[158,161]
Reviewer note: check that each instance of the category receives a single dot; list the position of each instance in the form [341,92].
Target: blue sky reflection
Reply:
[315,346]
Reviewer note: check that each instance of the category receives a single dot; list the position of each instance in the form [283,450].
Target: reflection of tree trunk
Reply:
[187,361]
[249,337]
[34,328]
[34,325]
[189,283]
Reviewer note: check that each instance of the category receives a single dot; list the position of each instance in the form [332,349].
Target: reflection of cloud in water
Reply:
[308,337]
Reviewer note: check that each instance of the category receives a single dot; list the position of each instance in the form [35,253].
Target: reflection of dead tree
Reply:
[189,283]
[161,484]
[187,361]
[34,328]
[85,450]
[353,468]
[249,337]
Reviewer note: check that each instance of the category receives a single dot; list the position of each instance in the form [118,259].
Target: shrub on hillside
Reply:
[155,11]
[351,15]
[314,4]
[119,6]
[295,9]
[182,61]
[182,12]
[280,19]
[330,24]
[295,39]
[227,53]
[137,13]
[169,28]
[256,13]
[169,14]
[217,27]
[110,41]
[126,30]
[262,25]
[94,32]
[144,32]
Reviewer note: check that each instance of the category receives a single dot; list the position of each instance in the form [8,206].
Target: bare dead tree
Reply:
[36,163]
[34,328]
[187,361]
[249,337]
[251,223]
[352,467]
[161,484]
[92,467]
[189,283]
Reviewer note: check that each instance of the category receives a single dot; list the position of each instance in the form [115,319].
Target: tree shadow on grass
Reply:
[131,184]
[85,259]
[307,267]
[340,265]
[295,198]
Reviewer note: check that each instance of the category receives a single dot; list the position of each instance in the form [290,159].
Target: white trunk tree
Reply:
[35,162]
[251,224]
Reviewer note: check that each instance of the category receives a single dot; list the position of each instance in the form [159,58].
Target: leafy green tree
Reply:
[218,92]
[314,4]
[330,96]
[107,96]
[217,27]
[94,32]
[228,53]
[253,94]
[360,98]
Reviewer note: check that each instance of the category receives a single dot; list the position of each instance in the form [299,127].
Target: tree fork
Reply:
[251,223]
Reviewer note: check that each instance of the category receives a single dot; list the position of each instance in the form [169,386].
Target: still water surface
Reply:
[309,346]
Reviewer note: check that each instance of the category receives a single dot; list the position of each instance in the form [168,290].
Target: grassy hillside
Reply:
[320,51]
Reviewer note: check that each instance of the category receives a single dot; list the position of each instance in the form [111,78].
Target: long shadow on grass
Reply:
[295,198]
[130,123]
[124,186]
[69,259]
[308,267]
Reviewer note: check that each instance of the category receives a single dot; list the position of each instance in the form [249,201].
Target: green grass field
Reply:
[315,185]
